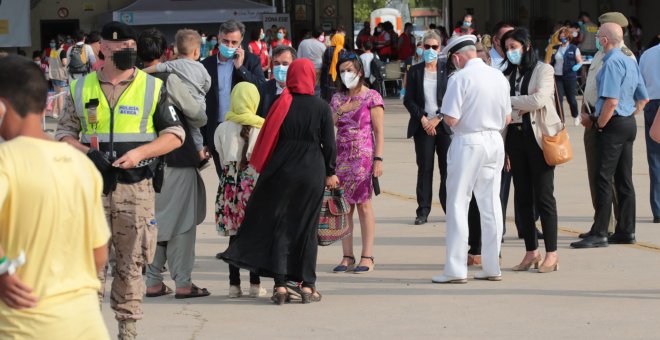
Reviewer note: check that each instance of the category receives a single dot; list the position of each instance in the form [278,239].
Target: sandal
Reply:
[164,290]
[342,268]
[309,297]
[194,292]
[280,298]
[365,269]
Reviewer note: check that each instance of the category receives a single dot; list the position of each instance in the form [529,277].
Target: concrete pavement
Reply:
[607,293]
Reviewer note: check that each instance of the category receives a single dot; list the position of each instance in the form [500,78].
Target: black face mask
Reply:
[125,58]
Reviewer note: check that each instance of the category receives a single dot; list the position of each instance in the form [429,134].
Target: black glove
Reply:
[108,172]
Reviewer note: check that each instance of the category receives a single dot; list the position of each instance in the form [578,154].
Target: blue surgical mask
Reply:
[279,72]
[575,34]
[598,45]
[227,52]
[467,24]
[280,35]
[419,51]
[262,36]
[514,56]
[53,45]
[214,42]
[430,55]
[563,40]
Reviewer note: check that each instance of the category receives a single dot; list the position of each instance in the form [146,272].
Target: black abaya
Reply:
[278,234]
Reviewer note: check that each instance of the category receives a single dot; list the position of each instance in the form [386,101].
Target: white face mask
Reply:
[350,79]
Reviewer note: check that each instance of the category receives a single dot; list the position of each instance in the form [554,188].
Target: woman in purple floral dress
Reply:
[358,114]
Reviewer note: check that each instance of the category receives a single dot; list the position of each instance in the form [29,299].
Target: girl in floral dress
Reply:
[234,141]
[358,115]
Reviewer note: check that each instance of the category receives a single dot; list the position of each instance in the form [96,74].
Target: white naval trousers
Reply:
[474,164]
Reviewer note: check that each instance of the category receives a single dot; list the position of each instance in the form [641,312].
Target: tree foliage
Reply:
[362,8]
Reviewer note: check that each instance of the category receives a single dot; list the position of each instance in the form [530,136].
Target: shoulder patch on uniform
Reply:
[626,51]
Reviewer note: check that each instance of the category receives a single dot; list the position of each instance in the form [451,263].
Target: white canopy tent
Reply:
[164,12]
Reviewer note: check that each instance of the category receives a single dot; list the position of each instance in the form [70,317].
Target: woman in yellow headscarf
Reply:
[329,68]
[234,141]
[552,46]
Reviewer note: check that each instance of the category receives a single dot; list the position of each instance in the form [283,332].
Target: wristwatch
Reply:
[376,158]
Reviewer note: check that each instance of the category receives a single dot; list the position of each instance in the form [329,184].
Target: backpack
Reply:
[78,62]
[377,71]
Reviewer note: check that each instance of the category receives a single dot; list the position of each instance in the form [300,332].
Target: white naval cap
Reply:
[457,42]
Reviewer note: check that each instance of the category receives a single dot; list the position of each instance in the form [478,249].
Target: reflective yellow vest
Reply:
[133,113]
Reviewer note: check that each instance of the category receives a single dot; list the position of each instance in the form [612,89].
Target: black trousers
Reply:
[567,87]
[426,149]
[533,181]
[615,155]
[235,276]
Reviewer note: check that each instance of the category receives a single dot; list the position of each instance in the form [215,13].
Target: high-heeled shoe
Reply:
[309,297]
[549,269]
[525,266]
[365,269]
[342,268]
[279,298]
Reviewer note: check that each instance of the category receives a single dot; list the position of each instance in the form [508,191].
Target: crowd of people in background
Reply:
[282,124]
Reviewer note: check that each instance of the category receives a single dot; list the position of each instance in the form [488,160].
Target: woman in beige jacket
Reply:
[533,115]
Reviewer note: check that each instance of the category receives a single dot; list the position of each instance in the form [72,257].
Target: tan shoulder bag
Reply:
[557,149]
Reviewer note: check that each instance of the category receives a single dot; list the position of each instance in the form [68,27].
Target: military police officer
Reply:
[121,118]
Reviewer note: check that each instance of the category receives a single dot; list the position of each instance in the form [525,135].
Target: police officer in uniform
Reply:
[125,123]
[477,106]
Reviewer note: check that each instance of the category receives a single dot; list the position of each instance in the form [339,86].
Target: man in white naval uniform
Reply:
[477,106]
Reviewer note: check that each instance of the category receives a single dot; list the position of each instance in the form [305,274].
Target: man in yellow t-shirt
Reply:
[50,209]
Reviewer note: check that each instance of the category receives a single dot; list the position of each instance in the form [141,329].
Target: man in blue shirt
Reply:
[621,92]
[648,65]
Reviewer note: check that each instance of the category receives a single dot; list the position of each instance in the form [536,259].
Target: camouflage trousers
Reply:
[130,211]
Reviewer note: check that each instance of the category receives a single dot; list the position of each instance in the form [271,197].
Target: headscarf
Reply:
[338,42]
[243,108]
[300,78]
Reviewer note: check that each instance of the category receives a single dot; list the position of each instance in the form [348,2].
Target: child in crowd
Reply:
[193,74]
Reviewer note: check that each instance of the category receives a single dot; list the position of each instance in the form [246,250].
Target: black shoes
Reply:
[591,242]
[583,235]
[219,255]
[656,220]
[419,220]
[622,238]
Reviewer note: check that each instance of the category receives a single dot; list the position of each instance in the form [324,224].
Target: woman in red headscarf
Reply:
[295,156]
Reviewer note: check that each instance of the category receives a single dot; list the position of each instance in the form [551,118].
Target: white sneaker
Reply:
[235,292]
[481,275]
[256,291]
[447,279]
[577,121]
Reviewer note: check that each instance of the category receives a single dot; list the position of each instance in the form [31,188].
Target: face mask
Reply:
[53,45]
[227,52]
[124,59]
[467,24]
[563,40]
[419,51]
[37,62]
[430,55]
[377,29]
[262,36]
[203,40]
[599,46]
[515,56]
[280,36]
[575,34]
[322,38]
[214,42]
[279,72]
[350,79]
[580,22]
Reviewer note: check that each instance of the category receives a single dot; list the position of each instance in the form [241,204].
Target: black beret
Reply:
[117,31]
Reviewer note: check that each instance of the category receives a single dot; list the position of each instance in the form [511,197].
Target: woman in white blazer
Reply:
[533,115]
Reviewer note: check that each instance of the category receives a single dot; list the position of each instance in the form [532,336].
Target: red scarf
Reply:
[300,78]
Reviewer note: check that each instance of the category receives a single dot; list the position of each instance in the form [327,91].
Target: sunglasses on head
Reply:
[347,55]
[427,46]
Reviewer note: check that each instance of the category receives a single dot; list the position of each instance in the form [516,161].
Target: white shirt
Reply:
[650,69]
[312,49]
[496,60]
[89,52]
[430,94]
[278,88]
[229,143]
[559,59]
[366,63]
[478,96]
